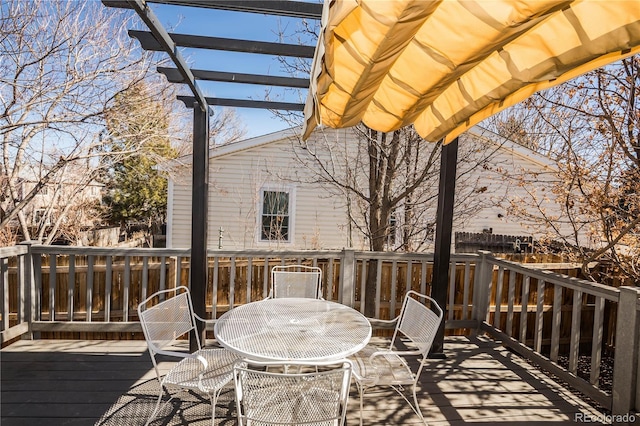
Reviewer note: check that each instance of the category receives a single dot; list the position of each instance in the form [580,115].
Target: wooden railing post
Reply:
[347,295]
[481,288]
[625,371]
[27,288]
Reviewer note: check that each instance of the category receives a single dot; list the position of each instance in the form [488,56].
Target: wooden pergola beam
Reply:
[244,103]
[166,44]
[173,75]
[149,41]
[293,9]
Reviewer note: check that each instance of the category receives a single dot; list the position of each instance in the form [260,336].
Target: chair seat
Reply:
[314,398]
[295,406]
[220,371]
[387,369]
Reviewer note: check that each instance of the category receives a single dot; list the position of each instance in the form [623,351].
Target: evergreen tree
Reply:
[136,190]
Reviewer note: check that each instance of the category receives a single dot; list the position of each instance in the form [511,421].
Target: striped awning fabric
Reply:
[447,65]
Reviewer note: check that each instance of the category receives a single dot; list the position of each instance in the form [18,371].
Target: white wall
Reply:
[239,170]
[235,180]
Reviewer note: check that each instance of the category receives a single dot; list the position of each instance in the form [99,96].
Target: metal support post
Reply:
[199,216]
[444,226]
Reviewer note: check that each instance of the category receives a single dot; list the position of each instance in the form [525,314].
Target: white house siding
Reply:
[514,172]
[235,180]
[239,170]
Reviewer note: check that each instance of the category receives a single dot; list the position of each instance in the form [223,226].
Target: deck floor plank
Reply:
[102,383]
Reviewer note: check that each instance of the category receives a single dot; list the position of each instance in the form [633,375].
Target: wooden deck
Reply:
[54,382]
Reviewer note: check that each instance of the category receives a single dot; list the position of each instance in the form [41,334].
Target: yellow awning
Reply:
[447,65]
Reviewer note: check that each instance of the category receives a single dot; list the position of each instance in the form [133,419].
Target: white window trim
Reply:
[291,190]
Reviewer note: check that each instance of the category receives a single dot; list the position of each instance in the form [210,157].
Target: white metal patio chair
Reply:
[416,327]
[205,371]
[296,281]
[317,398]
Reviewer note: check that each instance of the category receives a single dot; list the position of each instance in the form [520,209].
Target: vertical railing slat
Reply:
[163,272]
[452,290]
[89,301]
[394,285]
[378,287]
[423,277]
[126,288]
[52,287]
[537,338]
[596,342]
[409,276]
[37,274]
[267,277]
[4,288]
[214,302]
[496,317]
[329,281]
[108,281]
[574,346]
[178,282]
[232,281]
[524,308]
[249,277]
[511,297]
[555,322]
[363,283]
[466,290]
[71,282]
[22,289]
[145,278]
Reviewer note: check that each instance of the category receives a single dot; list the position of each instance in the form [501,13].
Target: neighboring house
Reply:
[60,212]
[262,196]
[54,197]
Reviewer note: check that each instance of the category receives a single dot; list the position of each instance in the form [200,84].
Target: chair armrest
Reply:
[384,352]
[380,323]
[204,320]
[200,358]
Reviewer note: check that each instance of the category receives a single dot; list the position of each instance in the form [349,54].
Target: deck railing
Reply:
[553,320]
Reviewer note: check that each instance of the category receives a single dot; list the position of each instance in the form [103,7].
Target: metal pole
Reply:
[199,215]
[444,227]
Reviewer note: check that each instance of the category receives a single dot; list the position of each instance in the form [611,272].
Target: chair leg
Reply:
[214,400]
[155,411]
[361,392]
[417,406]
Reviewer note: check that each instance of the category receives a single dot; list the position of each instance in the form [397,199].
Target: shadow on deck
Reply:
[102,383]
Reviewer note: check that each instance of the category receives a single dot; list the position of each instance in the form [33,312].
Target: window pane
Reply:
[275,216]
[268,202]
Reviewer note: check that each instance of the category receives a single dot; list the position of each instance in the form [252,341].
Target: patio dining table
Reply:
[293,330]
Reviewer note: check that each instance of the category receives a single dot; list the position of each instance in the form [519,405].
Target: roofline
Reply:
[295,132]
[515,148]
[233,147]
[237,146]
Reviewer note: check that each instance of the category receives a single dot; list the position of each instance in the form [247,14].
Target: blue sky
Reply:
[247,26]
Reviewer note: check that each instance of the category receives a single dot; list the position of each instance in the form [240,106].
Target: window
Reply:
[275,216]
[392,230]
[40,215]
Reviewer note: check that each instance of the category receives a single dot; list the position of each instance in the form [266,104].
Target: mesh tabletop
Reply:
[293,329]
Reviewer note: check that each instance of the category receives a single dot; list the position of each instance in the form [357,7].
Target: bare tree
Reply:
[63,64]
[591,127]
[388,183]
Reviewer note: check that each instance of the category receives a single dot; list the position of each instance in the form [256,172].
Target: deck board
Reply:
[46,382]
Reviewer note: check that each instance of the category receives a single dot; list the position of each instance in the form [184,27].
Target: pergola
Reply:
[159,39]
[440,65]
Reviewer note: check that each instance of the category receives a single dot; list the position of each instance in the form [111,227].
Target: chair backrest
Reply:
[166,321]
[419,321]
[296,281]
[317,397]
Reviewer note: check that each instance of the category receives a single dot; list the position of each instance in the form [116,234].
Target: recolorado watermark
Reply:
[606,419]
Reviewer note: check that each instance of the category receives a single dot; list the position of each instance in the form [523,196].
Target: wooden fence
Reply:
[553,319]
